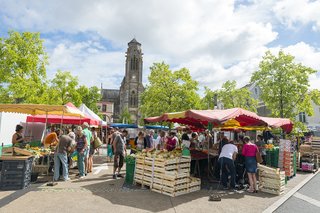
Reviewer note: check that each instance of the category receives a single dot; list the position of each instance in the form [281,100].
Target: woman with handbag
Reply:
[249,151]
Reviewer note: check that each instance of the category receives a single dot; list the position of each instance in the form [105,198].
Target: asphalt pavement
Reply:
[306,199]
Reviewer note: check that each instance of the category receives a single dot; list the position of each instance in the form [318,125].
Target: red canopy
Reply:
[218,118]
[284,123]
[58,119]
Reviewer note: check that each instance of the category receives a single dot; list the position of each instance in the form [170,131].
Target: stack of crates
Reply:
[15,173]
[271,180]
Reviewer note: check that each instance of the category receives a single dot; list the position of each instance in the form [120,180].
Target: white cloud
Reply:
[299,11]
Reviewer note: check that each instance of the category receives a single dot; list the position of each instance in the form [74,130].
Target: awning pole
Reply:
[61,120]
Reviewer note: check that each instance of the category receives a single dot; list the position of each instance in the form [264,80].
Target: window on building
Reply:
[132,97]
[302,117]
[256,91]
[104,108]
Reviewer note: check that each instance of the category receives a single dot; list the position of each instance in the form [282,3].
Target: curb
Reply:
[279,202]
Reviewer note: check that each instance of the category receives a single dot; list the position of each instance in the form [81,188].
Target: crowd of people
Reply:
[81,139]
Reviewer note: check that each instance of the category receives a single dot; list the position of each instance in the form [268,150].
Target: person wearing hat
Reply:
[88,134]
[65,145]
[82,149]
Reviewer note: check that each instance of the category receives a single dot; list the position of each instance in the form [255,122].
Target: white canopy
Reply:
[84,109]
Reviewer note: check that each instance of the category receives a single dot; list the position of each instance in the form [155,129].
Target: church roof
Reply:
[134,41]
[111,95]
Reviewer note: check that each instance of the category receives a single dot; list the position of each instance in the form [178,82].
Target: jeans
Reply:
[228,168]
[81,157]
[59,157]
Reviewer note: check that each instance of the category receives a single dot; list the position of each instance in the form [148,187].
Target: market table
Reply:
[199,155]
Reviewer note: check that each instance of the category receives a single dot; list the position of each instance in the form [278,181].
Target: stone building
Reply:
[114,102]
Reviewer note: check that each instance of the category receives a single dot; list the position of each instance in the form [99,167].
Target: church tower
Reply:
[131,86]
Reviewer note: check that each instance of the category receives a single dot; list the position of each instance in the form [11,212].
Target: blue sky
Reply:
[216,40]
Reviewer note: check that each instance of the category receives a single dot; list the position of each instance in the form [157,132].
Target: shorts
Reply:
[251,164]
[91,152]
[118,160]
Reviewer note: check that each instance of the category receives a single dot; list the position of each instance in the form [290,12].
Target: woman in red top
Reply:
[171,142]
[249,152]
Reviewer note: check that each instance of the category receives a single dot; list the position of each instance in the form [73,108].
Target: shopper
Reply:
[262,149]
[249,152]
[149,139]
[61,156]
[226,160]
[171,141]
[82,148]
[140,141]
[88,135]
[119,147]
[159,143]
[92,149]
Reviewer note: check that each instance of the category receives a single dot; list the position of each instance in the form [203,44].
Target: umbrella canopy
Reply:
[235,117]
[40,109]
[121,126]
[284,123]
[90,114]
[156,127]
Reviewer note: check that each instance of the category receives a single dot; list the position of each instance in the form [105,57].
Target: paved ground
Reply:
[100,193]
[306,200]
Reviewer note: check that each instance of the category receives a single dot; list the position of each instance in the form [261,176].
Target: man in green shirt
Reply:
[89,138]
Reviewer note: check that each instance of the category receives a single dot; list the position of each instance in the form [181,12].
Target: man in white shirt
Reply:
[226,159]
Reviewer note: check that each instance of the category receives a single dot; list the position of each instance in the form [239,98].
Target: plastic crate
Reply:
[35,143]
[130,167]
[15,174]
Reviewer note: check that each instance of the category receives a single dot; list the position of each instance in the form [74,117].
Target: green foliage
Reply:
[63,89]
[169,91]
[22,68]
[230,97]
[90,97]
[285,85]
[125,116]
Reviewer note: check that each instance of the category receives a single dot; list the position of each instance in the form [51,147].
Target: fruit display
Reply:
[269,146]
[271,180]
[37,152]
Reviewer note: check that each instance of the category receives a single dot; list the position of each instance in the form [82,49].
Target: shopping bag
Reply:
[97,142]
[259,157]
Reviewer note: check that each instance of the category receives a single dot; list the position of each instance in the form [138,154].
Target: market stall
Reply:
[22,161]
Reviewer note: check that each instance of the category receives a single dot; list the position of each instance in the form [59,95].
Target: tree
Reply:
[230,97]
[169,91]
[63,89]
[285,85]
[125,116]
[90,97]
[22,68]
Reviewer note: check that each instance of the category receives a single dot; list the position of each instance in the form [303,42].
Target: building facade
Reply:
[127,98]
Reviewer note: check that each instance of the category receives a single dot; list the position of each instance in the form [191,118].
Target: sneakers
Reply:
[120,175]
[114,176]
[81,177]
[67,179]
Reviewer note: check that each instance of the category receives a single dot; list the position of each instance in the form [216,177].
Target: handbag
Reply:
[97,143]
[258,156]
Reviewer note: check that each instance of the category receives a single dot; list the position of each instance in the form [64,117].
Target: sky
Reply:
[216,40]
